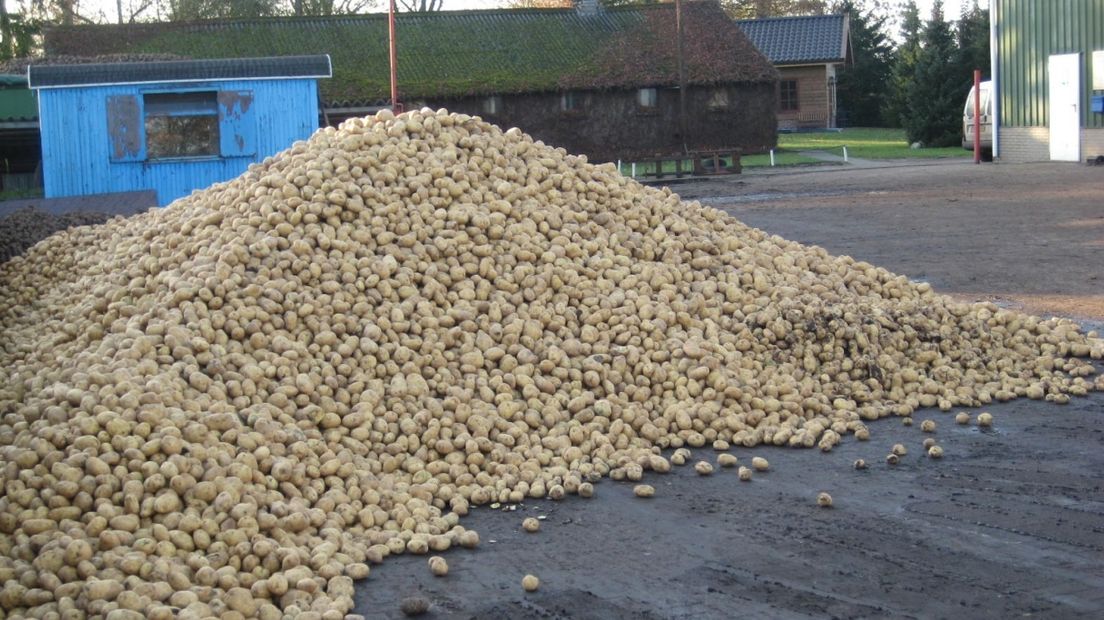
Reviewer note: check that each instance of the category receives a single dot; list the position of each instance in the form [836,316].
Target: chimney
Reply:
[586,7]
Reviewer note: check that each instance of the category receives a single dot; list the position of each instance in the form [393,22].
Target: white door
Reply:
[1065,107]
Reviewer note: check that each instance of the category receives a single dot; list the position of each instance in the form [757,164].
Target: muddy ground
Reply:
[1010,523]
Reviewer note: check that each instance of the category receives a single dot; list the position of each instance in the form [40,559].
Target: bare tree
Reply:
[420,6]
[130,11]
[331,7]
[540,4]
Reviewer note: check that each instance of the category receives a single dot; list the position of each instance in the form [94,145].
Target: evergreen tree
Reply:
[933,111]
[863,85]
[757,9]
[973,40]
[904,66]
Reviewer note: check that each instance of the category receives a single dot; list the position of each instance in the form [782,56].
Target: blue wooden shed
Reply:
[170,126]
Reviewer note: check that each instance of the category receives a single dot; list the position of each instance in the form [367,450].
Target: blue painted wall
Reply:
[77,148]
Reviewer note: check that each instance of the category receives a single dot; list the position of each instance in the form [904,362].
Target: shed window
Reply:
[646,97]
[572,101]
[492,105]
[718,100]
[181,124]
[787,95]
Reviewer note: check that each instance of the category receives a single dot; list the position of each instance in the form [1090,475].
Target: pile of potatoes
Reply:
[22,228]
[235,405]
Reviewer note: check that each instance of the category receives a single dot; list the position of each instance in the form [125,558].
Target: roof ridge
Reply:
[377,16]
[777,18]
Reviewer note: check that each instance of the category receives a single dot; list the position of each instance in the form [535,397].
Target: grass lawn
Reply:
[781,158]
[17,194]
[861,142]
[864,143]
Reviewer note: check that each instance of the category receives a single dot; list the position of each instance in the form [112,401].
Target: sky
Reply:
[951,8]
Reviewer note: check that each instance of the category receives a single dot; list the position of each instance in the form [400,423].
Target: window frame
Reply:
[127,137]
[789,92]
[572,102]
[492,105]
[719,101]
[647,99]
[182,111]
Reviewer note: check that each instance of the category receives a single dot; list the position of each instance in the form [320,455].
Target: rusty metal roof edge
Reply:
[201,70]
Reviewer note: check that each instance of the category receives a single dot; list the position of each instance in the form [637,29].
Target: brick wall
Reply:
[1024,144]
[1028,144]
[1092,143]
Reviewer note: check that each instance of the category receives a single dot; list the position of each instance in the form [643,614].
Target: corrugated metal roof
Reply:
[18,66]
[461,53]
[799,40]
[53,76]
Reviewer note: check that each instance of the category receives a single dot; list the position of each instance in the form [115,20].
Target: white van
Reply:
[986,120]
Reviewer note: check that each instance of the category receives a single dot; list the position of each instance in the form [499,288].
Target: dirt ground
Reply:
[1028,235]
[1009,523]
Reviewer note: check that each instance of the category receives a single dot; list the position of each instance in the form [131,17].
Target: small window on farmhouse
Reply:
[718,100]
[572,101]
[181,124]
[787,95]
[646,98]
[492,105]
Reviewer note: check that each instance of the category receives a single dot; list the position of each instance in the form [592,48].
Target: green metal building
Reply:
[1048,59]
[19,150]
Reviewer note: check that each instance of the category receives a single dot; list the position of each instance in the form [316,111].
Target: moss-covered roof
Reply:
[458,53]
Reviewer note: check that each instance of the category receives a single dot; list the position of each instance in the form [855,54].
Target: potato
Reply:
[530,525]
[743,473]
[935,452]
[644,490]
[469,539]
[824,500]
[726,460]
[414,606]
[704,468]
[899,449]
[928,426]
[985,419]
[530,583]
[680,456]
[892,459]
[438,566]
[962,418]
[859,464]
[928,442]
[760,464]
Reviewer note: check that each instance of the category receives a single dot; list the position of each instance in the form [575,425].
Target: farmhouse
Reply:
[172,126]
[598,81]
[807,51]
[1049,79]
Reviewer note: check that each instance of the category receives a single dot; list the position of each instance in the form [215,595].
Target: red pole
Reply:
[977,116]
[395,107]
